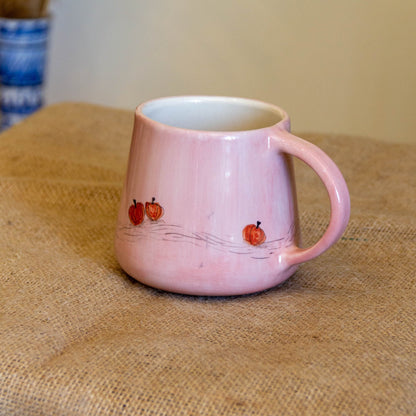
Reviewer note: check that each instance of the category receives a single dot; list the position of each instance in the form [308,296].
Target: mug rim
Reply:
[27,20]
[283,122]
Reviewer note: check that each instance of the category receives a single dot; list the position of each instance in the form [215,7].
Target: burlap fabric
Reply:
[79,337]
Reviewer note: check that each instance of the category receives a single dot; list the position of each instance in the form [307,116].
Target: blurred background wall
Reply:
[345,67]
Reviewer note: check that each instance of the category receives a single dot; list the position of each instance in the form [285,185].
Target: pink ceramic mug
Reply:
[209,204]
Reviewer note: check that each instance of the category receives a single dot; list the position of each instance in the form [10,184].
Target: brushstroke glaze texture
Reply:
[218,167]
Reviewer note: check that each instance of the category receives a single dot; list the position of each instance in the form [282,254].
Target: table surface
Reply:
[80,337]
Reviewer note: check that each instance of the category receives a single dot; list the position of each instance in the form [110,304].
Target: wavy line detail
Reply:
[159,230]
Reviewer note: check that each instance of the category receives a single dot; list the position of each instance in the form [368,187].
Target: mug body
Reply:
[208,205]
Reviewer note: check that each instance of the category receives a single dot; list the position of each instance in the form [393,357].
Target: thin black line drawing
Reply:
[160,230]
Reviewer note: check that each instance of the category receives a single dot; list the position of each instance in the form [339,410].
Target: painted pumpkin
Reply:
[136,212]
[253,234]
[153,210]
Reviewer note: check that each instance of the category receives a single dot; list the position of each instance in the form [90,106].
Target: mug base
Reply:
[217,285]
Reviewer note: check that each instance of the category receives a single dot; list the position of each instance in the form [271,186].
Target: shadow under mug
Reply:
[209,203]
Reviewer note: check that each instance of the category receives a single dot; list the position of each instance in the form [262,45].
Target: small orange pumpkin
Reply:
[253,234]
[136,213]
[153,210]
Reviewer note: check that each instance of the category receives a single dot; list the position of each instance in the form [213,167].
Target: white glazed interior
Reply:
[213,113]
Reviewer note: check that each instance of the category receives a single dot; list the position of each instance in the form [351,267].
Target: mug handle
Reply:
[337,189]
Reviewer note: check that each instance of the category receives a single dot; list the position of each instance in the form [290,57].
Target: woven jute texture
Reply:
[80,337]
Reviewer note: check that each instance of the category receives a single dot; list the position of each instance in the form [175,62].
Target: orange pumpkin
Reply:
[153,210]
[136,213]
[253,234]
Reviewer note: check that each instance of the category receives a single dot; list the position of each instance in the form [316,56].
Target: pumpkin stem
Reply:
[258,223]
[153,200]
[135,203]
